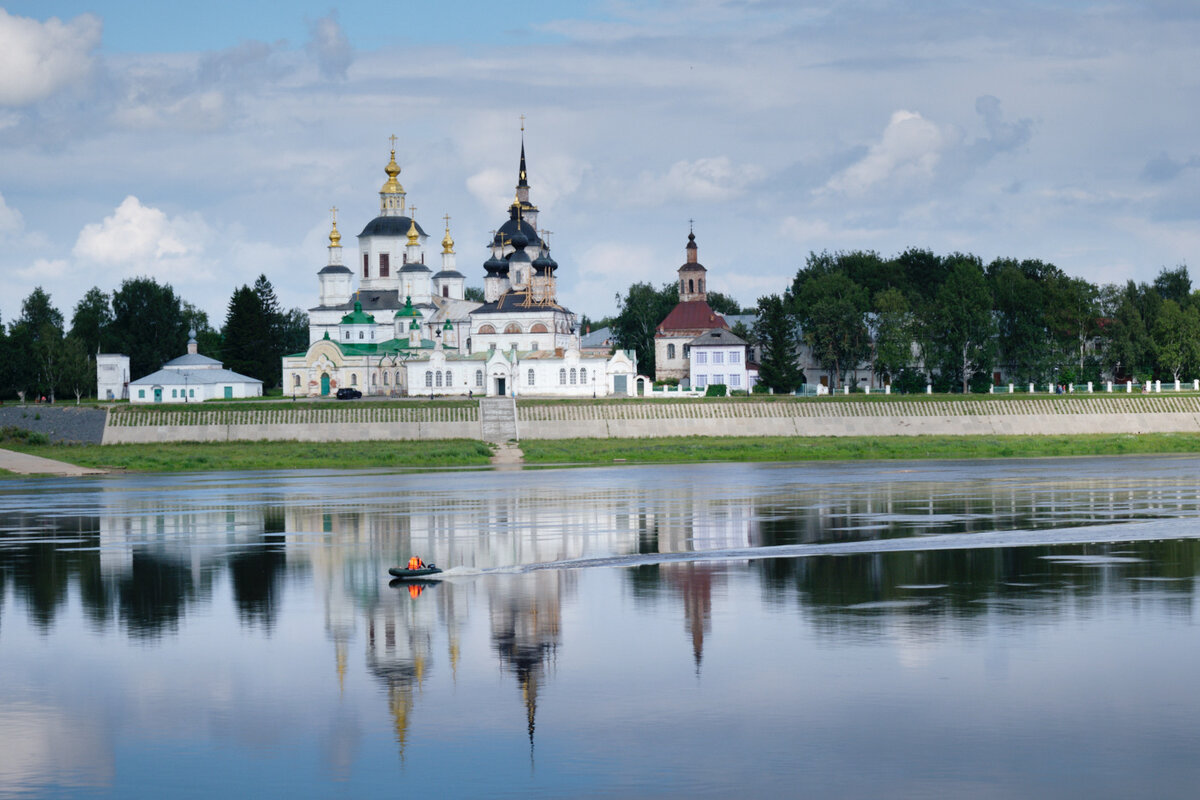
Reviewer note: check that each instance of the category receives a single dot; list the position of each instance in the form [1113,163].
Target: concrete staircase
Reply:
[498,419]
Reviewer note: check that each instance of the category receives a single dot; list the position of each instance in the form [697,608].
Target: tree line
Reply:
[40,356]
[952,321]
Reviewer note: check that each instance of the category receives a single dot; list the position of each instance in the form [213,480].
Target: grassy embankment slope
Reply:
[466,453]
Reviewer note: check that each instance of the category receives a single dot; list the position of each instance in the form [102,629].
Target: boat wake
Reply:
[1083,535]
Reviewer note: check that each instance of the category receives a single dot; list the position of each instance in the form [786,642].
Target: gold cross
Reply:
[522,123]
[333,210]
[412,212]
[393,140]
[544,233]
[447,218]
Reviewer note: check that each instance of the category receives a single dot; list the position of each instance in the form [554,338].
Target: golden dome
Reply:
[335,238]
[447,242]
[392,186]
[413,236]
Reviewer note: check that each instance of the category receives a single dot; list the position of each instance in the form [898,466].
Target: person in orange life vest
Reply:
[416,563]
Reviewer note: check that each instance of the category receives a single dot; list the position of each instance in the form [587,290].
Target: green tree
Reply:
[91,321]
[962,328]
[1177,338]
[831,310]
[35,342]
[893,333]
[148,324]
[474,294]
[247,336]
[775,332]
[1174,284]
[1022,334]
[722,303]
[294,332]
[639,314]
[77,369]
[208,340]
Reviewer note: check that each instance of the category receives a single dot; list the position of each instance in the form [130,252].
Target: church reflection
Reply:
[142,567]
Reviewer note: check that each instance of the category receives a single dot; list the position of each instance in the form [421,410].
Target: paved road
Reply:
[35,465]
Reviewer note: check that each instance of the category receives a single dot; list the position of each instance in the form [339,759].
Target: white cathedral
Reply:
[408,330]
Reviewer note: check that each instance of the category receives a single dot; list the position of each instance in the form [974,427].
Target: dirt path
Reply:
[23,464]
[508,456]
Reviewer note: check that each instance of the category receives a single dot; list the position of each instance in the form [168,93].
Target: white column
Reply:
[1177,385]
[1010,388]
[1158,386]
[1109,389]
[887,389]
[1128,387]
[868,389]
[929,388]
[1031,389]
[1089,387]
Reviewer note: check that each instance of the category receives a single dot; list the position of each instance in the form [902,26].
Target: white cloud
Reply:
[11,222]
[39,58]
[329,45]
[45,269]
[702,179]
[138,238]
[909,150]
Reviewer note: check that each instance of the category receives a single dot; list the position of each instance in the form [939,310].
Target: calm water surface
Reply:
[982,629]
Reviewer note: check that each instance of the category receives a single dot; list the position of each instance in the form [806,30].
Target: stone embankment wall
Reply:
[828,417]
[831,417]
[62,423]
[358,423]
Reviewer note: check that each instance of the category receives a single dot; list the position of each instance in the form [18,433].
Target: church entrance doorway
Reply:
[324,383]
[619,386]
[500,389]
[158,395]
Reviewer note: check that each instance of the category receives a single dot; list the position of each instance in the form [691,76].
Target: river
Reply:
[1021,628]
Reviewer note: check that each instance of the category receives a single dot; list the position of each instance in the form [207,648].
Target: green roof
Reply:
[358,316]
[408,310]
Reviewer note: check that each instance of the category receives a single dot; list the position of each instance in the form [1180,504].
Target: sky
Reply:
[202,144]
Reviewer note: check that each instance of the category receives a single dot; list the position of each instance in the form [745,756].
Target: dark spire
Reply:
[521,182]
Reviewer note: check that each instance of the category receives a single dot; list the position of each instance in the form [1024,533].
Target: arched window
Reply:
[671,351]
[374,379]
[479,377]
[347,335]
[449,378]
[539,328]
[512,327]
[562,377]
[366,265]
[486,329]
[397,377]
[361,335]
[429,379]
[582,375]
[529,378]
[572,376]
[439,377]
[354,379]
[295,380]
[386,378]
[691,286]
[702,284]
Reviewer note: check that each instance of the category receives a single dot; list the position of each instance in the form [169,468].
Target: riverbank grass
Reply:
[847,448]
[214,456]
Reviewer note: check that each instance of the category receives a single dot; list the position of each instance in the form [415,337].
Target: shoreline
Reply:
[551,453]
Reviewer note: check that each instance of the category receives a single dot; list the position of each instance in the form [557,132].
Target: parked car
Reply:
[348,394]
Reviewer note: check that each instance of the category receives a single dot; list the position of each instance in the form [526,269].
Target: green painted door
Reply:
[158,395]
[228,392]
[619,384]
[324,383]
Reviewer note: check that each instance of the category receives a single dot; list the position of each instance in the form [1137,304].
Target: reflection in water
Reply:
[138,560]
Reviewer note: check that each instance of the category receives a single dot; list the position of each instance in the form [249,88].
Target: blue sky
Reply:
[203,144]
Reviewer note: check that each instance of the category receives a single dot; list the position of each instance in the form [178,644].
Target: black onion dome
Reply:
[335,268]
[390,226]
[519,240]
[495,266]
[509,230]
[542,264]
[415,266]
[520,256]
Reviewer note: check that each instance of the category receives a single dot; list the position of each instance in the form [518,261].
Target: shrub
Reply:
[760,388]
[716,390]
[11,433]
